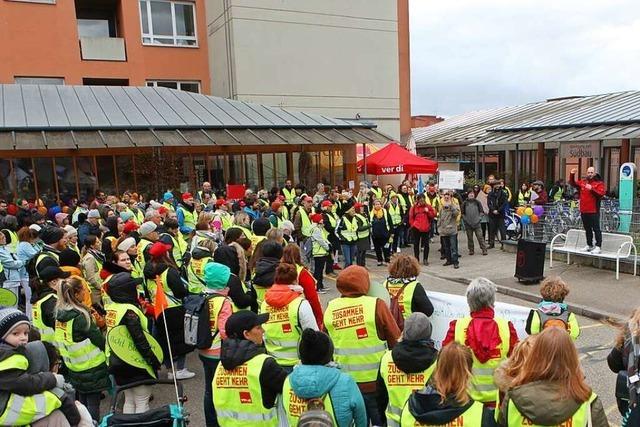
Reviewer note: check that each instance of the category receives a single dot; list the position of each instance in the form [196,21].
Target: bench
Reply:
[614,246]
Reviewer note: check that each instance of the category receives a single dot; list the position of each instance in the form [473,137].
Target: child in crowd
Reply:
[35,399]
[552,311]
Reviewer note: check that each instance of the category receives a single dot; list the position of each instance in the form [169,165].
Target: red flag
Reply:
[161,299]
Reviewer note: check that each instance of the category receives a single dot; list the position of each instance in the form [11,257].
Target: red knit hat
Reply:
[317,218]
[275,206]
[221,202]
[186,196]
[162,210]
[129,226]
[326,204]
[358,205]
[159,249]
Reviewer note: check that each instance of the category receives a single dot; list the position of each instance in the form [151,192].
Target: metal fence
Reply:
[560,217]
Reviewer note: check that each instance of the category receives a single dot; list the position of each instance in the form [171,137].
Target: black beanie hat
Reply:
[50,235]
[69,258]
[260,226]
[315,348]
[272,249]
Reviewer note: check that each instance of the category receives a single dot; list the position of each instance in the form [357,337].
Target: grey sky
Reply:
[470,55]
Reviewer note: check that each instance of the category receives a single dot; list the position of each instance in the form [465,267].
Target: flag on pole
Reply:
[420,185]
[161,299]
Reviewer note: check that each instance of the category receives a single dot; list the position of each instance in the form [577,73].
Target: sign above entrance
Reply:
[589,149]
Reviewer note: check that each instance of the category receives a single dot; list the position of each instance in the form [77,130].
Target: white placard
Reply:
[449,307]
[451,180]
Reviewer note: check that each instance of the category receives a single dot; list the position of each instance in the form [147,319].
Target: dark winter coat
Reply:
[497,200]
[471,213]
[265,271]
[94,379]
[427,408]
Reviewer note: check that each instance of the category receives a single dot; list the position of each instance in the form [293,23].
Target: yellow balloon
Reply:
[528,211]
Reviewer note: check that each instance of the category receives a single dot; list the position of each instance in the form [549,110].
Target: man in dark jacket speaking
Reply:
[497,201]
[591,189]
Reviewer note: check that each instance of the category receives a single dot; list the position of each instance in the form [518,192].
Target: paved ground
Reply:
[590,287]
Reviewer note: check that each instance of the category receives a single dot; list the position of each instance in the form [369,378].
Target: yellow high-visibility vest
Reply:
[405,299]
[77,356]
[578,419]
[294,406]
[472,417]
[282,331]
[47,333]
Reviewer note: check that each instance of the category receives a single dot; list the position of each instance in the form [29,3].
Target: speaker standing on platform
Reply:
[592,190]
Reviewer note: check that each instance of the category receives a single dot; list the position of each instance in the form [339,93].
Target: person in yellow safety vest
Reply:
[289,314]
[330,222]
[318,378]
[288,193]
[167,201]
[302,221]
[125,310]
[241,297]
[161,268]
[552,311]
[277,214]
[347,233]
[406,201]
[557,191]
[54,240]
[201,256]
[490,338]
[364,234]
[11,226]
[223,215]
[179,247]
[380,221]
[187,216]
[92,261]
[362,329]
[72,238]
[206,190]
[395,212]
[216,278]
[247,382]
[403,283]
[28,397]
[376,191]
[242,221]
[445,399]
[322,261]
[407,368]
[550,388]
[81,345]
[44,307]
[130,247]
[285,209]
[524,195]
[138,214]
[148,236]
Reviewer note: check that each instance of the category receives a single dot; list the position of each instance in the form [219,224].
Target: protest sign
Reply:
[122,345]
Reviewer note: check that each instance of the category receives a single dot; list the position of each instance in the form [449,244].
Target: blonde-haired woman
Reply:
[550,388]
[81,345]
[445,399]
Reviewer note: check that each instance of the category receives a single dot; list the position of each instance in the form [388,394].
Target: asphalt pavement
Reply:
[593,289]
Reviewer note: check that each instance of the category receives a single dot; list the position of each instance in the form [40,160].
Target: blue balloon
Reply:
[525,219]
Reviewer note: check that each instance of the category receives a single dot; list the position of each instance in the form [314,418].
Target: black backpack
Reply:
[197,330]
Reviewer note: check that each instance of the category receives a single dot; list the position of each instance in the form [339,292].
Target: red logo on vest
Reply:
[245,397]
[362,333]
[286,328]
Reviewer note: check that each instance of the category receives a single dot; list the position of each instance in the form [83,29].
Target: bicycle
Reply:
[609,217]
[513,225]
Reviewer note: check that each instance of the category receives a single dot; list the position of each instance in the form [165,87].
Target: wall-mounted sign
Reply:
[580,149]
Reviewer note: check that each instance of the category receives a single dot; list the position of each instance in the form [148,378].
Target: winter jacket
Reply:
[410,357]
[354,284]
[225,312]
[265,271]
[447,219]
[472,213]
[87,229]
[313,381]
[381,226]
[31,381]
[235,352]
[497,201]
[420,302]
[538,401]
[317,237]
[94,379]
[279,296]
[14,268]
[542,198]
[482,334]
[420,217]
[123,372]
[427,407]
[233,257]
[589,199]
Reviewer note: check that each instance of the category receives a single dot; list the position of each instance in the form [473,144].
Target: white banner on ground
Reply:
[450,180]
[449,307]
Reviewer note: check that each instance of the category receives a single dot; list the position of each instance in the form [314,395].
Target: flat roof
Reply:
[53,116]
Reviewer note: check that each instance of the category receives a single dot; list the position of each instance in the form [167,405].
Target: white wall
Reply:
[332,57]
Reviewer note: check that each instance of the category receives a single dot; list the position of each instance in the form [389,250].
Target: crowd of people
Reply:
[74,275]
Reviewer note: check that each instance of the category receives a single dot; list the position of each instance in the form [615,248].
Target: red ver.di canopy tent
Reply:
[393,159]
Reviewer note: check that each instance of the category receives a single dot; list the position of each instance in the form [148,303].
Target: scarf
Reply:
[379,213]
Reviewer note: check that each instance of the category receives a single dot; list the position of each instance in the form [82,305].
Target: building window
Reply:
[186,86]
[39,80]
[168,23]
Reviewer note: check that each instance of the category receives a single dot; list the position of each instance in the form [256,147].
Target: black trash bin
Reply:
[530,261]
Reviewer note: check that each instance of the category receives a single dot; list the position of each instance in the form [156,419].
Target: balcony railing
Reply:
[102,49]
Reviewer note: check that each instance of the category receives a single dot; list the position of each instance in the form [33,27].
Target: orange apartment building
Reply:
[105,42]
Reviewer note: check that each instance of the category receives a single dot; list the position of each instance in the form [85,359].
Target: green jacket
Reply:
[94,379]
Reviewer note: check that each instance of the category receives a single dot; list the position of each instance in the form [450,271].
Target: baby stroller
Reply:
[171,415]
